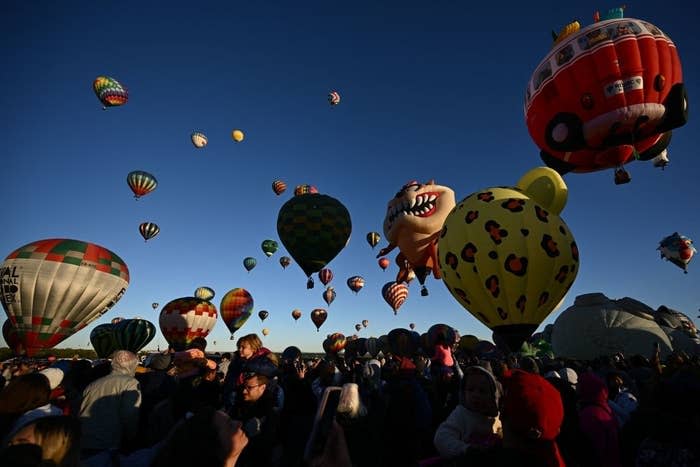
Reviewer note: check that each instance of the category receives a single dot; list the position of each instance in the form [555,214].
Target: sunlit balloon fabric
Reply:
[319,316]
[110,91]
[236,307]
[204,293]
[373,239]
[305,190]
[199,140]
[605,95]
[329,295]
[237,135]
[148,230]
[279,187]
[677,249]
[183,319]
[507,256]
[356,283]
[296,314]
[141,183]
[54,288]
[395,294]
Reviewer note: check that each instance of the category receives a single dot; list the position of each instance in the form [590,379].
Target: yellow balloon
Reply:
[237,135]
[545,186]
[265,331]
[507,259]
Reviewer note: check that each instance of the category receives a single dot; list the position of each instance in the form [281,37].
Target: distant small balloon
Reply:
[383,263]
[305,190]
[237,135]
[265,331]
[365,322]
[149,230]
[279,187]
[155,305]
[204,293]
[333,98]
[296,314]
[285,261]
[249,263]
[358,327]
[199,140]
[263,314]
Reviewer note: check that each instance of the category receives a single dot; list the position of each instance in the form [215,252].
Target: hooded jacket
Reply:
[597,420]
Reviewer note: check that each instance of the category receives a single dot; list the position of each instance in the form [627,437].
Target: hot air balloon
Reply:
[325,275]
[141,183]
[296,314]
[318,316]
[329,295]
[204,293]
[116,320]
[249,263]
[440,333]
[263,314]
[110,92]
[305,190]
[383,263]
[334,343]
[199,139]
[402,342]
[356,283]
[237,135]
[365,323]
[333,98]
[677,249]
[54,288]
[358,327]
[265,331]
[133,334]
[155,305]
[412,222]
[412,326]
[507,256]
[149,230]
[269,247]
[236,307]
[373,239]
[183,319]
[279,187]
[103,341]
[285,261]
[395,294]
[602,97]
[9,333]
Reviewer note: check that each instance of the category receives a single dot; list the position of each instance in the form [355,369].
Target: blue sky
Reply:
[430,90]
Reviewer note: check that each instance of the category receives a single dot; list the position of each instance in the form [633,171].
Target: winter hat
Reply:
[532,406]
[54,375]
[160,362]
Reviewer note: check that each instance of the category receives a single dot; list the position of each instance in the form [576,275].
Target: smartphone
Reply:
[323,422]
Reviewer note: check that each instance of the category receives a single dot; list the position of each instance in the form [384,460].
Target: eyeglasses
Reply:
[247,387]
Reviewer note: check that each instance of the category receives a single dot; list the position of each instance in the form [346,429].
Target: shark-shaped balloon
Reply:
[413,221]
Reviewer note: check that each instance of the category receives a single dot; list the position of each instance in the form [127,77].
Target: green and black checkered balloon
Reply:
[313,228]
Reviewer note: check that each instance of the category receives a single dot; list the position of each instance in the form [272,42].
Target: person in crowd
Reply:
[156,385]
[250,349]
[474,423]
[58,436]
[363,441]
[24,394]
[255,407]
[620,399]
[597,421]
[531,416]
[224,363]
[207,438]
[110,409]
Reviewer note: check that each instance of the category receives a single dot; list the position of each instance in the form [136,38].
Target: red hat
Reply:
[532,405]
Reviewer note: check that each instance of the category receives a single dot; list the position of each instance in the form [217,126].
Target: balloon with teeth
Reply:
[395,294]
[414,217]
[677,249]
[329,295]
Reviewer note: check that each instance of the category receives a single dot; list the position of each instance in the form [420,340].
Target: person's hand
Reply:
[239,441]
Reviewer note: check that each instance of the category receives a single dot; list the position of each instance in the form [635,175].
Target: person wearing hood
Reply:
[474,422]
[110,409]
[597,420]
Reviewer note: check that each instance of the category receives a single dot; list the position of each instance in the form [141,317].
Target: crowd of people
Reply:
[446,407]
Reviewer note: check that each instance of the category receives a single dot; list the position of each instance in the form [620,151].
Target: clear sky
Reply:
[430,90]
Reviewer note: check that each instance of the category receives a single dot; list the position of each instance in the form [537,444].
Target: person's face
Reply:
[24,436]
[245,350]
[478,395]
[252,389]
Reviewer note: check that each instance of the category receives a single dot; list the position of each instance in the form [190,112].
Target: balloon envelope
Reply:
[373,239]
[141,183]
[199,140]
[237,135]
[279,187]
[263,314]
[395,294]
[329,295]
[236,307]
[183,319]
[54,288]
[318,316]
[110,91]
[249,263]
[355,283]
[296,314]
[204,293]
[285,261]
[149,230]
[269,247]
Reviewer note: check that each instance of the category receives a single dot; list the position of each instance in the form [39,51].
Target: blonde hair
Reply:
[350,403]
[59,438]
[252,340]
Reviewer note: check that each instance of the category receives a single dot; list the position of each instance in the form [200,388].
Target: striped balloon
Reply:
[141,183]
[103,341]
[199,139]
[278,186]
[325,275]
[133,334]
[204,293]
[334,343]
[148,230]
[110,91]
[183,319]
[395,294]
[333,98]
[249,263]
[305,190]
[236,307]
[53,288]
